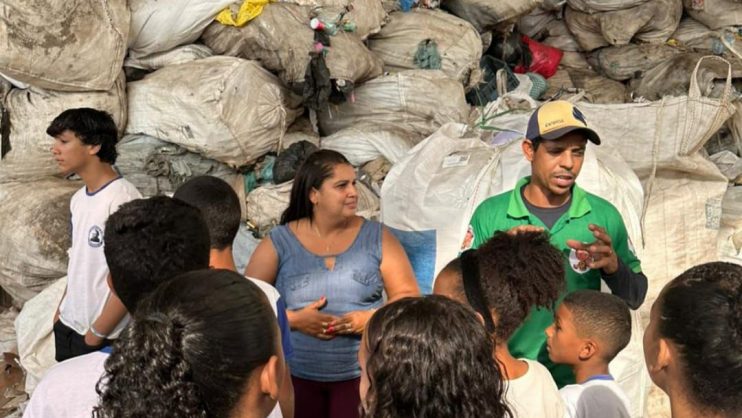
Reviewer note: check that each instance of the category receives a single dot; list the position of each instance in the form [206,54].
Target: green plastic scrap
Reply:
[427,56]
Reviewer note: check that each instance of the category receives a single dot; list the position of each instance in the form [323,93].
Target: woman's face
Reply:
[338,196]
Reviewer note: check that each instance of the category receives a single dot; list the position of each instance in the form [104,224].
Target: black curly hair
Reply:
[92,127]
[700,311]
[191,351]
[148,241]
[430,357]
[517,272]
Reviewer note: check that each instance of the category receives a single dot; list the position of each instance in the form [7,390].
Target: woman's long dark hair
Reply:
[190,349]
[701,313]
[430,357]
[316,169]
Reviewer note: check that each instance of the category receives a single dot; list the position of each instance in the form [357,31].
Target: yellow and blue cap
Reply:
[555,119]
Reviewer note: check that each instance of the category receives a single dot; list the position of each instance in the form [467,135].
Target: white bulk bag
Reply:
[486,14]
[157,167]
[458,43]
[30,113]
[179,55]
[224,108]
[653,22]
[281,40]
[418,101]
[34,330]
[64,45]
[363,143]
[715,14]
[368,16]
[35,219]
[161,25]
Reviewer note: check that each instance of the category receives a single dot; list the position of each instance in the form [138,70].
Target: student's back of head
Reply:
[218,204]
[693,344]
[429,357]
[509,275]
[199,347]
[148,241]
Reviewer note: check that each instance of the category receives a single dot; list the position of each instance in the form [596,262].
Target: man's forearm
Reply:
[628,285]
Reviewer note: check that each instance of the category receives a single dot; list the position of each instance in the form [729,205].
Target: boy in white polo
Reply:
[89,314]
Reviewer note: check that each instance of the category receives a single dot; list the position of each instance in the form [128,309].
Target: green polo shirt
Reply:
[507,210]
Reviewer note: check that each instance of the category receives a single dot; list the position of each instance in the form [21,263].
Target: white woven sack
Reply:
[34,330]
[64,45]
[156,167]
[486,14]
[178,55]
[458,43]
[683,191]
[596,6]
[281,40]
[730,234]
[363,143]
[161,25]
[418,101]
[715,14]
[35,220]
[653,22]
[224,108]
[368,16]
[28,155]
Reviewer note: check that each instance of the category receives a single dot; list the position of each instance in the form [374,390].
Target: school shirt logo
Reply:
[578,260]
[95,236]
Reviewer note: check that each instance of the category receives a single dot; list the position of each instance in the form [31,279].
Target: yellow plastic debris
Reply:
[249,10]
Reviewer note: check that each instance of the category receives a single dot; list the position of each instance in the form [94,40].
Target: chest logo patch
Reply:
[95,236]
[578,260]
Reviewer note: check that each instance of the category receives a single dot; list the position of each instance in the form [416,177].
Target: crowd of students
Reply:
[157,322]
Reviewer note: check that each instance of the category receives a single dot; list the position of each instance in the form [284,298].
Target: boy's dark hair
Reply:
[218,204]
[517,272]
[602,316]
[701,313]
[163,364]
[148,241]
[92,126]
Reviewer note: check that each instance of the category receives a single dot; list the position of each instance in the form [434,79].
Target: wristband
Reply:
[96,333]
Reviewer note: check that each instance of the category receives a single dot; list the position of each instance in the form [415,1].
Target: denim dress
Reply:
[355,284]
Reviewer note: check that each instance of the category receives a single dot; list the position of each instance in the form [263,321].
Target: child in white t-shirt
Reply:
[589,329]
[502,280]
[89,313]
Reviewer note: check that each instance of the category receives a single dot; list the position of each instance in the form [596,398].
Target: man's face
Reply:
[555,164]
[562,341]
[70,153]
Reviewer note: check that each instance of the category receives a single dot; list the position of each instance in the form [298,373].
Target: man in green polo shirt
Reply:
[587,229]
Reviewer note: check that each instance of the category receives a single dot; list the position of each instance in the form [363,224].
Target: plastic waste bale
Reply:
[457,44]
[282,40]
[629,61]
[362,143]
[64,45]
[715,14]
[417,101]
[224,108]
[653,22]
[485,15]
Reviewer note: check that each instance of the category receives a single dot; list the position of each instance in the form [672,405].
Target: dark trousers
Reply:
[326,399]
[68,343]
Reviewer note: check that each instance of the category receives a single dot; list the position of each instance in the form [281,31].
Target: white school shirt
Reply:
[534,395]
[87,288]
[599,396]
